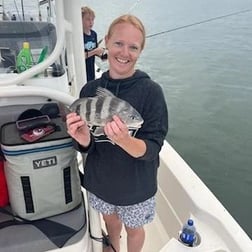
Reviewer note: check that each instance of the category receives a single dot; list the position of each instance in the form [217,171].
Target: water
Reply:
[205,71]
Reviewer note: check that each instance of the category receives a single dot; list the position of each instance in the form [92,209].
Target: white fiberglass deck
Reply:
[155,237]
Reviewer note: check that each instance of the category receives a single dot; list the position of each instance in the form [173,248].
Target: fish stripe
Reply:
[99,108]
[88,111]
[78,109]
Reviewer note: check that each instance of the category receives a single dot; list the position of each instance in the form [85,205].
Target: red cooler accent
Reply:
[4,198]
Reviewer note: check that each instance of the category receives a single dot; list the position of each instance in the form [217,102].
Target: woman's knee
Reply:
[132,232]
[112,219]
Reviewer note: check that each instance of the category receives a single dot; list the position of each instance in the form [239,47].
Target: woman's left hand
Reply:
[116,130]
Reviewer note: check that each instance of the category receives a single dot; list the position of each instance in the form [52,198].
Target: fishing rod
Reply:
[196,23]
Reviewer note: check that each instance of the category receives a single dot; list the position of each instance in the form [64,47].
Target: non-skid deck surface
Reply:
[42,235]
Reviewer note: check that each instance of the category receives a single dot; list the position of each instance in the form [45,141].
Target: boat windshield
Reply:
[40,35]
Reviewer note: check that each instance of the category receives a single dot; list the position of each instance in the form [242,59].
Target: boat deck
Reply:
[156,237]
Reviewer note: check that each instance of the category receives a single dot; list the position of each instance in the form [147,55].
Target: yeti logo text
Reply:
[45,162]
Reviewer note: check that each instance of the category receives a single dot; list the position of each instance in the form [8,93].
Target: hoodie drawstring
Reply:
[117,87]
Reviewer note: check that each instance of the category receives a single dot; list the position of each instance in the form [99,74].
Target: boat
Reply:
[58,79]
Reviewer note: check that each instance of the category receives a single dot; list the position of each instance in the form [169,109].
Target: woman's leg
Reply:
[135,239]
[114,228]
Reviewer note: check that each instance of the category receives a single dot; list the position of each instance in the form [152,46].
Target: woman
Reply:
[121,170]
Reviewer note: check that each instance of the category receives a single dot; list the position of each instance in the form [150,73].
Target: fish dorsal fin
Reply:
[103,92]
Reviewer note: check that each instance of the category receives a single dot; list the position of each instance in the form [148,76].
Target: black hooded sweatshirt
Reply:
[111,173]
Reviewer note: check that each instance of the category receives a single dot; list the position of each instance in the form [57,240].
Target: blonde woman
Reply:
[121,167]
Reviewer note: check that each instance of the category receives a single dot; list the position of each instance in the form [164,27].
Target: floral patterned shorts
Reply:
[133,216]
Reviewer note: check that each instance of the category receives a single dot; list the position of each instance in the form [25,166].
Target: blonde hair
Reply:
[86,10]
[130,19]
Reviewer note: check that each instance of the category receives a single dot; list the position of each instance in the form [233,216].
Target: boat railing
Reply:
[31,91]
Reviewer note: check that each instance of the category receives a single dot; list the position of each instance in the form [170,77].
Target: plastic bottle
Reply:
[24,58]
[43,54]
[188,233]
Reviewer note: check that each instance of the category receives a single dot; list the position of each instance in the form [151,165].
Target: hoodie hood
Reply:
[117,86]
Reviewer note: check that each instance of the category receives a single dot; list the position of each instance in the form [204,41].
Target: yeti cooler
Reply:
[42,176]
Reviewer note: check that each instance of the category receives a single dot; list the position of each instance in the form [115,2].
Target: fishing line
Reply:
[197,23]
[134,5]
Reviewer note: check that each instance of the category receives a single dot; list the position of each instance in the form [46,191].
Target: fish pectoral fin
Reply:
[103,92]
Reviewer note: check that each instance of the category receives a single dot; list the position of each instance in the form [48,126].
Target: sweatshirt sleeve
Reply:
[155,126]
[83,149]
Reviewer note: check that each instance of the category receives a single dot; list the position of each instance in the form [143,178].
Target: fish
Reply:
[99,110]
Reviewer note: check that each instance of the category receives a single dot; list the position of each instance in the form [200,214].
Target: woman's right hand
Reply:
[78,129]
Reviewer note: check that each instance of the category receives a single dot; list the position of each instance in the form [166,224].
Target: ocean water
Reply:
[205,70]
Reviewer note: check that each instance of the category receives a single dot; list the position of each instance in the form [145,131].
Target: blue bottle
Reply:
[188,233]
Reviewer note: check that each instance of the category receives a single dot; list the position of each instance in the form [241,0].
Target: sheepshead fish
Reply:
[100,109]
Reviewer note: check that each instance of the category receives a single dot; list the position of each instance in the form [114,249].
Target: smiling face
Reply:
[124,43]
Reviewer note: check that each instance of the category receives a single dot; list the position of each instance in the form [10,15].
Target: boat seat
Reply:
[43,235]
